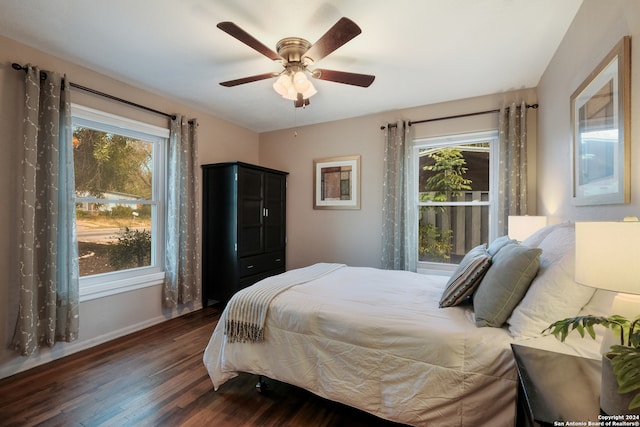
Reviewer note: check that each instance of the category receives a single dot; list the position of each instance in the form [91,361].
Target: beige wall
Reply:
[598,26]
[109,317]
[354,236]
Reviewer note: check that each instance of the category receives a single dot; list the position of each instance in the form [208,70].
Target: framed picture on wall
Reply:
[601,128]
[336,183]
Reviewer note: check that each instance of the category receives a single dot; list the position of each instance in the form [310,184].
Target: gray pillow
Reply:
[499,243]
[466,277]
[505,284]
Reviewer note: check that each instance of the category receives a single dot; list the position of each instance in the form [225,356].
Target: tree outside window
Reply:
[114,204]
[453,200]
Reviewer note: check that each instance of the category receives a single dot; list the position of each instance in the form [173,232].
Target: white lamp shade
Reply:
[311,90]
[300,82]
[607,254]
[282,85]
[289,86]
[291,94]
[521,227]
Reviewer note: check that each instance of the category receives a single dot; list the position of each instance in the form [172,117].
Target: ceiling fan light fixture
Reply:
[311,90]
[282,85]
[291,94]
[289,85]
[301,82]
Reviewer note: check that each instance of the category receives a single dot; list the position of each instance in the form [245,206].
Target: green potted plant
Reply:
[621,362]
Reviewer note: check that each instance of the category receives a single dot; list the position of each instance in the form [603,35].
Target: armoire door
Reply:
[275,209]
[250,212]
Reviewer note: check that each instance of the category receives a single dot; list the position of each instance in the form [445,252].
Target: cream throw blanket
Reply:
[247,309]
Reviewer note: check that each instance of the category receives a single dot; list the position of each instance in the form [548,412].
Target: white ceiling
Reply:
[421,51]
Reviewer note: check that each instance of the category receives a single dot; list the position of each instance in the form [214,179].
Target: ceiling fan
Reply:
[296,55]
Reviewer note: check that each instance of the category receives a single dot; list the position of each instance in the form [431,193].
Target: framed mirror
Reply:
[601,128]
[336,183]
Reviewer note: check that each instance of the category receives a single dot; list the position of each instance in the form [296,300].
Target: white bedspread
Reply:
[247,310]
[376,340]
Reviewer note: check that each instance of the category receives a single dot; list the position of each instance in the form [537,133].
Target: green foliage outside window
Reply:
[106,162]
[133,249]
[114,190]
[433,242]
[445,185]
[448,181]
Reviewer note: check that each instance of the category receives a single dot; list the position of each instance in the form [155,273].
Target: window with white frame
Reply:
[455,192]
[120,191]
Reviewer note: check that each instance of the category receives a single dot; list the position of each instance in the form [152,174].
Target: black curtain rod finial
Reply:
[18,67]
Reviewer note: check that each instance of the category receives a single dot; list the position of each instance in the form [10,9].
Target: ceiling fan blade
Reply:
[341,32]
[234,31]
[249,79]
[362,80]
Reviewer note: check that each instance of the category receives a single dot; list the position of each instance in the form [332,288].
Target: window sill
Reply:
[91,291]
[436,268]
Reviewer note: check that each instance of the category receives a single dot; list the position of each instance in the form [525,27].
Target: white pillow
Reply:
[599,304]
[553,294]
[536,238]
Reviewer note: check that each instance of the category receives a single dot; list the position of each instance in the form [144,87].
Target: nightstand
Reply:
[555,387]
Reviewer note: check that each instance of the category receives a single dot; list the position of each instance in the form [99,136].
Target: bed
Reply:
[379,340]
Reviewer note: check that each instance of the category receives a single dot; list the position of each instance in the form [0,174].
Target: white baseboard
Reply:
[60,350]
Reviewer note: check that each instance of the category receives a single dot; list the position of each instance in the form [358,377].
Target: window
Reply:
[455,196]
[120,190]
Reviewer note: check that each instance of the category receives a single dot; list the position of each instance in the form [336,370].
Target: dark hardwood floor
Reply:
[156,377]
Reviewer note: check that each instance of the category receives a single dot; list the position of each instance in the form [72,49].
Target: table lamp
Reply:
[608,257]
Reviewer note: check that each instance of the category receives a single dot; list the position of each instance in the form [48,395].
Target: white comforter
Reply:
[376,340]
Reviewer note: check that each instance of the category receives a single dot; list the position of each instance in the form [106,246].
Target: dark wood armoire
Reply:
[243,227]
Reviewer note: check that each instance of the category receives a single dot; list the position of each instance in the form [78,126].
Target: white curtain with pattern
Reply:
[48,276]
[512,192]
[182,263]
[399,239]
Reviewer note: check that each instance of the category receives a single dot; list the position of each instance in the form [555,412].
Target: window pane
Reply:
[445,172]
[114,206]
[447,233]
[111,166]
[456,173]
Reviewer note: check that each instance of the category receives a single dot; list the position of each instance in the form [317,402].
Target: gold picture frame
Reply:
[601,131]
[336,183]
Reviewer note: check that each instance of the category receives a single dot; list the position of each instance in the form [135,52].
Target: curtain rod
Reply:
[458,116]
[19,67]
